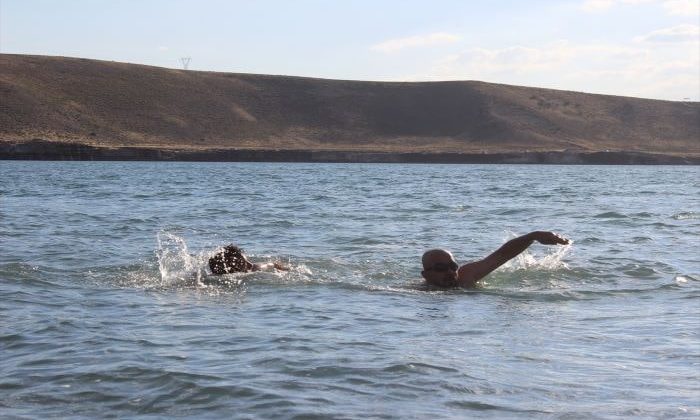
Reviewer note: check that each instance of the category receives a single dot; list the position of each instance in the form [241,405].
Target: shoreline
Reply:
[57,151]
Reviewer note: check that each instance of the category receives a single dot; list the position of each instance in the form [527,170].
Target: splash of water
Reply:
[178,266]
[552,260]
[549,262]
[175,263]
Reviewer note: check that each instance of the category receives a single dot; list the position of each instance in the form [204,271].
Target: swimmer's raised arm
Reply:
[470,273]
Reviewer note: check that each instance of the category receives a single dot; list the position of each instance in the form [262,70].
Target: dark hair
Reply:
[229,260]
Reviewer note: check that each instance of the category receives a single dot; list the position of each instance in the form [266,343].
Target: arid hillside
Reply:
[109,104]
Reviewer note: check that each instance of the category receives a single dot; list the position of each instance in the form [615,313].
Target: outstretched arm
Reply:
[270,266]
[280,266]
[469,274]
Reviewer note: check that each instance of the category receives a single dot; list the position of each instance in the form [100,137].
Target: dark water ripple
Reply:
[107,309]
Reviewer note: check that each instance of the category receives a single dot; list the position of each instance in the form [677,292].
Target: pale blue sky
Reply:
[643,48]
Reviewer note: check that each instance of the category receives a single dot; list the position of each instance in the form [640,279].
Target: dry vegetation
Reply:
[112,104]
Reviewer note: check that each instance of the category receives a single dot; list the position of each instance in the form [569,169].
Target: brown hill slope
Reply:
[115,104]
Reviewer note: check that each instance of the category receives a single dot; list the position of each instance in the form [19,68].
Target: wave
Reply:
[34,275]
[610,215]
[686,215]
[684,280]
[617,215]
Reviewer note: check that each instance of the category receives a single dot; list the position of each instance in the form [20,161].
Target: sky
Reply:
[640,48]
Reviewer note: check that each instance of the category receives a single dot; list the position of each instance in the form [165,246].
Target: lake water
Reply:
[104,312]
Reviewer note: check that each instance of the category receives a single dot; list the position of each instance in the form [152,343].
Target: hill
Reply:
[110,105]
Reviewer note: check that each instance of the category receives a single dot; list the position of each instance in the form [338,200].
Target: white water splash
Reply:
[553,259]
[684,279]
[175,263]
[178,266]
[686,215]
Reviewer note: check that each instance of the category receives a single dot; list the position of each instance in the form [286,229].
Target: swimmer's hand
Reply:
[280,266]
[271,266]
[549,238]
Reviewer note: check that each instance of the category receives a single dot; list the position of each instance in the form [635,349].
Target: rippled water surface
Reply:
[107,308]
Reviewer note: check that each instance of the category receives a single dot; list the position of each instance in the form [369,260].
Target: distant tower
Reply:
[185,62]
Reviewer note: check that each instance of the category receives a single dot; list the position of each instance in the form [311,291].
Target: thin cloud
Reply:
[685,33]
[551,58]
[597,5]
[602,5]
[672,7]
[646,70]
[395,45]
[682,7]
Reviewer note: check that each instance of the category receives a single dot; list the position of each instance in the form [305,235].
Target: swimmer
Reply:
[441,270]
[231,260]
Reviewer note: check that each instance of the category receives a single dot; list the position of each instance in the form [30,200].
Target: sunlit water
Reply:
[107,307]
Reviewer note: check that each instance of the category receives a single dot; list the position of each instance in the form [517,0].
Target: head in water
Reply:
[230,260]
[439,268]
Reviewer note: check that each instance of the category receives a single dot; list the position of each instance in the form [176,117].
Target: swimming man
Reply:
[441,270]
[231,260]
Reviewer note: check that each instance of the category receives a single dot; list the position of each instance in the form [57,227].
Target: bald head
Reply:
[430,256]
[439,268]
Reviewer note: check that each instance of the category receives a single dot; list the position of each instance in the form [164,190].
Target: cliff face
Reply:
[109,104]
